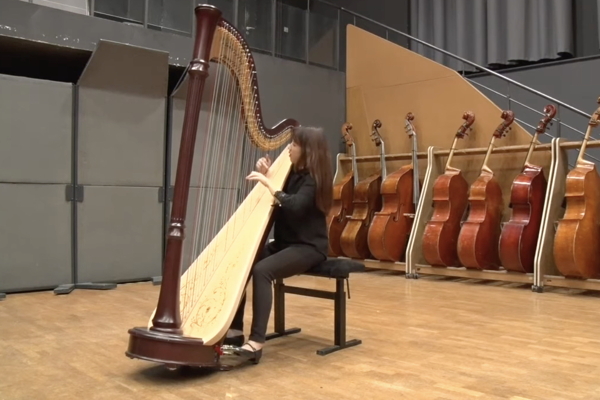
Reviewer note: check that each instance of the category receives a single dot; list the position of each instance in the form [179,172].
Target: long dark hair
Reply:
[316,159]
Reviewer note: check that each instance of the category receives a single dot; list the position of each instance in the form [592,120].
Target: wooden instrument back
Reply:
[390,229]
[343,206]
[479,234]
[367,200]
[450,197]
[518,240]
[577,240]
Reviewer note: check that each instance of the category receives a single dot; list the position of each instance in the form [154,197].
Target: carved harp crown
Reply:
[232,215]
[219,41]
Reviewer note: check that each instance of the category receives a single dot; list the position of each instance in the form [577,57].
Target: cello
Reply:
[342,199]
[577,240]
[390,229]
[479,234]
[450,197]
[518,240]
[366,202]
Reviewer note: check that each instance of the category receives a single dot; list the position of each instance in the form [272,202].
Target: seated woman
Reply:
[300,232]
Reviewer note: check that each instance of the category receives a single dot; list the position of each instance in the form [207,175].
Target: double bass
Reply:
[479,234]
[390,229]
[577,240]
[342,199]
[366,202]
[450,197]
[518,240]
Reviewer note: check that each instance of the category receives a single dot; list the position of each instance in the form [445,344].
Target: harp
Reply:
[195,309]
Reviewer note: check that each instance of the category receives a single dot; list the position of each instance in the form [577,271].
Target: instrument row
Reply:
[372,218]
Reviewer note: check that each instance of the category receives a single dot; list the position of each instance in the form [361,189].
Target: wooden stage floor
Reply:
[432,338]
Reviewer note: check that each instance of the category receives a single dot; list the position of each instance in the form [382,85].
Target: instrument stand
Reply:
[68,288]
[411,275]
[537,289]
[156,280]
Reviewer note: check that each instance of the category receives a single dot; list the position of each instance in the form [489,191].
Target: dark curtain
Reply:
[493,33]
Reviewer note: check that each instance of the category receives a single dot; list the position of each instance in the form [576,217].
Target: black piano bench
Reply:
[336,268]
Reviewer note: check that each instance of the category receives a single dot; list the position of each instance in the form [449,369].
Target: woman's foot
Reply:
[251,345]
[252,350]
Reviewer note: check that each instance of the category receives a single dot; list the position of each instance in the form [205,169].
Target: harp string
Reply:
[230,146]
[195,197]
[197,239]
[231,122]
[220,172]
[214,173]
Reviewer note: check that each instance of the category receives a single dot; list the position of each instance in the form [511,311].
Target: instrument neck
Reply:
[451,153]
[485,167]
[531,148]
[354,166]
[382,159]
[415,162]
[580,159]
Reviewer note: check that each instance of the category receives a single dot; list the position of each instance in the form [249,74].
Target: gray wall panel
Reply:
[121,139]
[120,67]
[49,25]
[120,234]
[312,95]
[35,130]
[35,239]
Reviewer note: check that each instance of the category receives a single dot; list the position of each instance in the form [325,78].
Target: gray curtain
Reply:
[492,32]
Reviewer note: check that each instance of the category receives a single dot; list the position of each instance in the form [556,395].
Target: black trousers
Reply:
[273,263]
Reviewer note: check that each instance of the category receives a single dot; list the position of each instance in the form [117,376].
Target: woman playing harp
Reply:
[232,215]
[300,231]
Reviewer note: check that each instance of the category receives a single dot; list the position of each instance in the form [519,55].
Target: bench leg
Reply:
[339,322]
[279,305]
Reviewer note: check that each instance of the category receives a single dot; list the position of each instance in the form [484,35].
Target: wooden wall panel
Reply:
[385,81]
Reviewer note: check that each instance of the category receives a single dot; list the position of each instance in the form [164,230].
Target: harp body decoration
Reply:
[195,309]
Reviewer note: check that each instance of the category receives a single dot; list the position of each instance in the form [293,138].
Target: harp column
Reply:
[167,318]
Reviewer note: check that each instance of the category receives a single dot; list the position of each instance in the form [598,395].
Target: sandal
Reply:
[252,355]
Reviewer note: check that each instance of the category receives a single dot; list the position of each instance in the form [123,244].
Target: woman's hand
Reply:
[257,176]
[263,165]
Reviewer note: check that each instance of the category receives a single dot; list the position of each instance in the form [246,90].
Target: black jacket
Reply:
[297,218]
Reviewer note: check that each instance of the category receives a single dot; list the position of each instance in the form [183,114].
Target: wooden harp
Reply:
[195,309]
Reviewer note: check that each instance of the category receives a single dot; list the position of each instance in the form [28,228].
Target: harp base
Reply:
[171,350]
